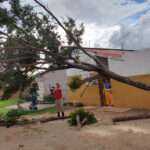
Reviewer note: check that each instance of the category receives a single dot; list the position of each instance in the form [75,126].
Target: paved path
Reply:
[27,104]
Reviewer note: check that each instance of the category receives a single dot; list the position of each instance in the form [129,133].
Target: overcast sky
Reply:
[109,23]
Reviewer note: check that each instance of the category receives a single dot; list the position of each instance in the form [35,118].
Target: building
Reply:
[130,63]
[49,79]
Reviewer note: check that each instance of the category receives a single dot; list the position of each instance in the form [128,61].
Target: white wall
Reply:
[84,58]
[132,63]
[50,79]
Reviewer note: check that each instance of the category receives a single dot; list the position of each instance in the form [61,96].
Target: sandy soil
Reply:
[133,135]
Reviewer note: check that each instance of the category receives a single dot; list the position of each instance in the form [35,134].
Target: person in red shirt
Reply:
[58,100]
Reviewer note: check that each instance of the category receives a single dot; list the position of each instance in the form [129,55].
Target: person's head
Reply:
[57,85]
[34,85]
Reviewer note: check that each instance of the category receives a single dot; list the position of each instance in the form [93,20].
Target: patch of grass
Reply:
[10,118]
[44,110]
[3,111]
[38,112]
[6,103]
[9,102]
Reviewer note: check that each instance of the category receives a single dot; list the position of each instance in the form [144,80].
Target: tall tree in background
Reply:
[29,41]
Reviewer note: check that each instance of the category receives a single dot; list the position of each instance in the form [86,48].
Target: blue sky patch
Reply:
[127,2]
[139,1]
[133,19]
[139,14]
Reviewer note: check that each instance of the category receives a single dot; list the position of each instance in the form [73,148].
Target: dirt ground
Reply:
[57,135]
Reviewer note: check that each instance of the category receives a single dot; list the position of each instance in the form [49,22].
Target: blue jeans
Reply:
[34,100]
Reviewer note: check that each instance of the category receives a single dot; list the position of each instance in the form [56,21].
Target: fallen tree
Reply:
[131,117]
[56,57]
[26,121]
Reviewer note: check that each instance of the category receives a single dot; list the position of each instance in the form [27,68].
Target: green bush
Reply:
[8,91]
[49,99]
[11,116]
[74,83]
[82,114]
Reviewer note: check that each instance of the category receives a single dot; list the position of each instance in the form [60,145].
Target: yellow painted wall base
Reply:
[127,96]
[90,97]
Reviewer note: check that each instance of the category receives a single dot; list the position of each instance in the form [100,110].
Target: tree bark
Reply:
[101,92]
[128,118]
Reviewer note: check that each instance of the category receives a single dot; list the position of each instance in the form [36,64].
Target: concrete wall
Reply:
[90,97]
[132,63]
[84,58]
[50,79]
[127,96]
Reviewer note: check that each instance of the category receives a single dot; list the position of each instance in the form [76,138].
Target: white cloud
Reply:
[96,36]
[135,37]
[103,19]
[103,12]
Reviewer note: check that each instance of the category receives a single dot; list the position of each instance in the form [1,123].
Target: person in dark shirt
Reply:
[34,94]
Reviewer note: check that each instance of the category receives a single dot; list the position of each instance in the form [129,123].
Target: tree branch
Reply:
[112,75]
[3,33]
[67,32]
[55,69]
[13,60]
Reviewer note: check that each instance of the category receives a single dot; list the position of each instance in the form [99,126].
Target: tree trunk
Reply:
[128,118]
[101,92]
[110,74]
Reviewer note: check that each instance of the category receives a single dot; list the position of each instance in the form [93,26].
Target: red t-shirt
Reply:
[57,94]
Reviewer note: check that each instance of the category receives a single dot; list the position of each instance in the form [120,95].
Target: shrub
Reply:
[74,83]
[11,117]
[8,91]
[82,114]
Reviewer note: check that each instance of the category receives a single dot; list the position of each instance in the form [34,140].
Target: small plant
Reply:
[90,118]
[74,83]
